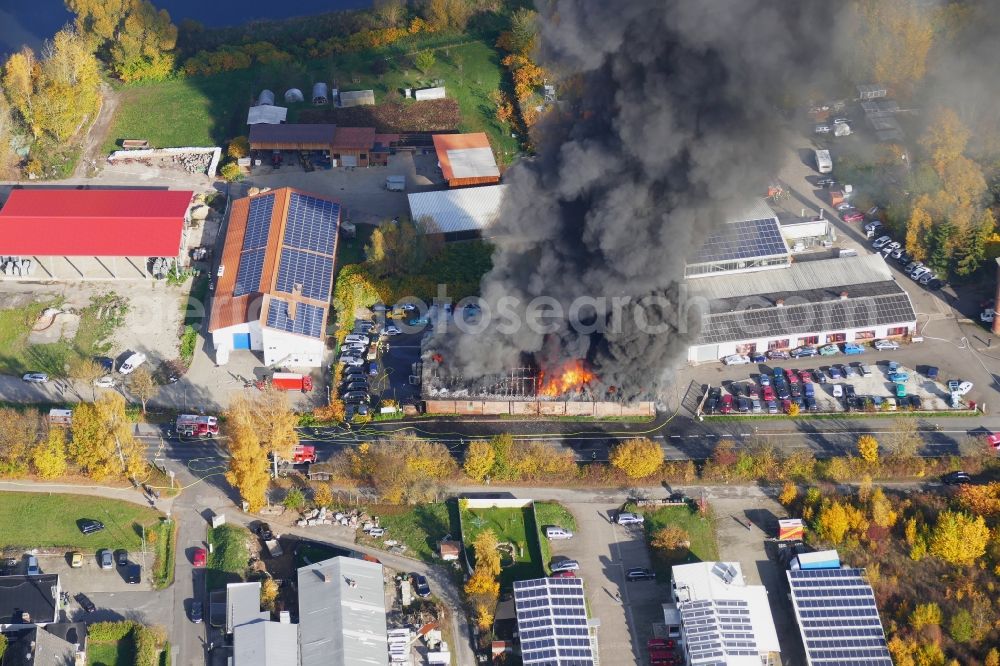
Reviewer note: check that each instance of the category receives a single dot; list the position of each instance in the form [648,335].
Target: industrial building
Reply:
[749,241]
[342,616]
[718,619]
[345,146]
[275,278]
[850,299]
[837,617]
[93,234]
[460,214]
[256,639]
[466,159]
[552,623]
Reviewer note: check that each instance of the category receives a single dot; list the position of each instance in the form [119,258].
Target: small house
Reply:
[450,550]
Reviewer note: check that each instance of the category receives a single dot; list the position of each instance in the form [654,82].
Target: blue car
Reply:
[373,368]
[778,372]
[851,348]
[757,357]
[835,372]
[765,380]
[898,377]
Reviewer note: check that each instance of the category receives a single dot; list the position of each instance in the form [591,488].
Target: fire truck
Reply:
[194,425]
[303,453]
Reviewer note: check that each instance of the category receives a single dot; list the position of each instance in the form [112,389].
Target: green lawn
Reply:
[352,250]
[209,110]
[700,529]
[227,563]
[36,520]
[418,527]
[552,513]
[17,356]
[516,526]
[119,653]
[164,546]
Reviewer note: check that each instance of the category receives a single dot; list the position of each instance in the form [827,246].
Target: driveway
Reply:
[605,551]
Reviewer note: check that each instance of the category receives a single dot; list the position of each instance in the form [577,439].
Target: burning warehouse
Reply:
[568,390]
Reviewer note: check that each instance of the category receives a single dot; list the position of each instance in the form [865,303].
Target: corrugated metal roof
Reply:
[800,276]
[266,644]
[449,211]
[93,223]
[342,614]
[271,115]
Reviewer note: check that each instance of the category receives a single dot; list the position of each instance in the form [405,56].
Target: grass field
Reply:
[701,532]
[119,653]
[209,110]
[163,571]
[516,526]
[419,527]
[35,520]
[18,357]
[227,563]
[552,513]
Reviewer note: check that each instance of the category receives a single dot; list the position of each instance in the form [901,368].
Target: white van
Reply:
[824,163]
[132,362]
[626,518]
[553,532]
[358,339]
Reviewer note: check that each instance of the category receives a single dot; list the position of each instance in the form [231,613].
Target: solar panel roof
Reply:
[552,622]
[314,272]
[838,618]
[745,239]
[248,276]
[258,222]
[312,223]
[308,318]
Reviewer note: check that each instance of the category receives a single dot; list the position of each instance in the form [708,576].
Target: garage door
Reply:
[241,341]
[349,160]
[706,353]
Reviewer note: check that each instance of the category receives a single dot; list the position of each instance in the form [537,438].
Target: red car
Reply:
[786,405]
[806,376]
[563,574]
[852,216]
[793,376]
[727,404]
[768,393]
[993,440]
[199,558]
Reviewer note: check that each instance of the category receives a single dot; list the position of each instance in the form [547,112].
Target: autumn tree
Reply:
[19,431]
[917,228]
[959,538]
[945,139]
[789,493]
[402,469]
[891,41]
[274,421]
[238,147]
[924,615]
[135,37]
[103,443]
[992,657]
[904,439]
[882,509]
[8,130]
[670,538]
[20,76]
[479,459]
[639,457]
[973,251]
[142,386]
[248,466]
[483,586]
[86,371]
[868,449]
[268,593]
[794,409]
[424,60]
[390,12]
[520,38]
[399,248]
[49,457]
[322,495]
[837,519]
[980,499]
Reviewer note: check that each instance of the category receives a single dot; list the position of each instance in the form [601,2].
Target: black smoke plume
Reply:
[669,117]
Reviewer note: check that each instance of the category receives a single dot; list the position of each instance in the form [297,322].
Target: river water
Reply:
[32,21]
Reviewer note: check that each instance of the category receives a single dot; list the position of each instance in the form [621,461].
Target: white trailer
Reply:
[824,164]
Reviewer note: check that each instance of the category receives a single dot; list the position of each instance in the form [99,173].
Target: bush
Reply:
[638,458]
[110,632]
[294,500]
[145,646]
[960,626]
[231,172]
[189,340]
[238,147]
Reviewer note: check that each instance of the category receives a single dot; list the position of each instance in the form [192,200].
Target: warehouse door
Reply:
[349,160]
[241,341]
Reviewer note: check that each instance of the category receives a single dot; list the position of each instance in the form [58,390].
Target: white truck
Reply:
[824,164]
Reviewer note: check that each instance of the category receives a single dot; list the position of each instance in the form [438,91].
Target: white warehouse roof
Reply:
[265,643]
[267,114]
[473,163]
[342,614]
[466,209]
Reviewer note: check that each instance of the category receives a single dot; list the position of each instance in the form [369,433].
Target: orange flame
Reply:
[573,376]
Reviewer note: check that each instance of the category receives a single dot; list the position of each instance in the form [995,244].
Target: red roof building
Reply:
[93,223]
[466,159]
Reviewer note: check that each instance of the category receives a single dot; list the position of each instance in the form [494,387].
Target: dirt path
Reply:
[91,155]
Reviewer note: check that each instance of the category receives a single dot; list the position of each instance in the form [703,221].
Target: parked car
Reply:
[36,378]
[553,532]
[391,329]
[829,350]
[806,377]
[420,585]
[121,557]
[899,377]
[838,391]
[562,574]
[639,573]
[901,391]
[105,559]
[263,530]
[796,391]
[822,129]
[355,396]
[197,611]
[781,389]
[852,216]
[835,372]
[85,603]
[764,379]
[131,363]
[752,391]
[891,404]
[736,359]
[199,558]
[811,404]
[33,568]
[133,574]
[768,393]
[849,392]
[727,404]
[825,182]
[90,526]
[821,376]
[792,376]
[756,407]
[848,371]
[886,345]
[777,354]
[926,278]
[107,364]
[804,351]
[628,518]
[373,368]
[915,402]
[956,478]
[76,559]
[772,406]
[106,381]
[565,565]
[865,369]
[884,240]
[757,357]
[851,348]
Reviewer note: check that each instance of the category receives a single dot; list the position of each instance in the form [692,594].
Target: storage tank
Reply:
[266,98]
[319,93]
[293,95]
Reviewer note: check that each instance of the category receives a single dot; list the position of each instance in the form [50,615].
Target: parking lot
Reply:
[90,577]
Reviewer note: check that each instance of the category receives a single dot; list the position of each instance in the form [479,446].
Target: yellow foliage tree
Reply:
[794,409]
[639,457]
[138,37]
[238,147]
[103,443]
[925,615]
[482,584]
[945,138]
[485,546]
[322,495]
[268,593]
[892,41]
[484,615]
[881,509]
[479,459]
[669,538]
[917,228]
[868,449]
[992,658]
[789,493]
[49,457]
[959,538]
[248,464]
[19,431]
[833,522]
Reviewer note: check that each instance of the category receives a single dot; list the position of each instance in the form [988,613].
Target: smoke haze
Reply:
[669,118]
